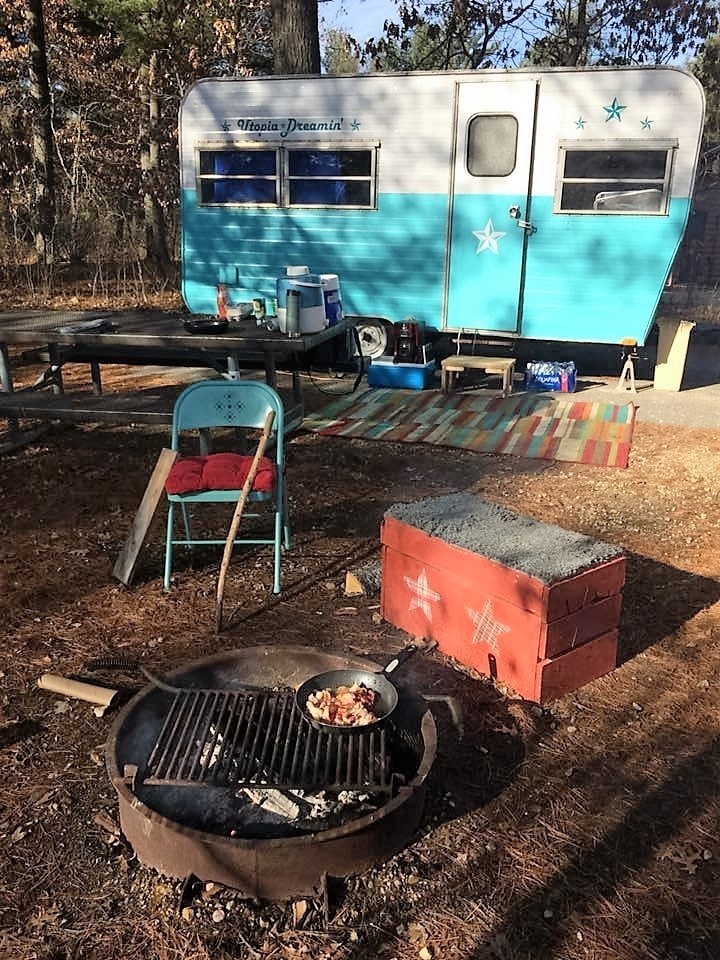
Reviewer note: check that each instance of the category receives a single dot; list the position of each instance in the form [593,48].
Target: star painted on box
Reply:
[580,123]
[488,238]
[487,628]
[614,110]
[423,596]
[645,124]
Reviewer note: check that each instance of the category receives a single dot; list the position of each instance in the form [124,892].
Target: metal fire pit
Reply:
[182,763]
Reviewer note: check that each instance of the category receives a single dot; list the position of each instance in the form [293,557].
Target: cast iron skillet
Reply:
[205,324]
[386,693]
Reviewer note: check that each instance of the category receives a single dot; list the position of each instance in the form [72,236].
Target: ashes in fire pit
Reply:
[226,780]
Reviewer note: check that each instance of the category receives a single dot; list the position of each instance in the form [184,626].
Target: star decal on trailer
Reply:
[487,628]
[580,123]
[423,596]
[488,238]
[645,124]
[355,125]
[614,110]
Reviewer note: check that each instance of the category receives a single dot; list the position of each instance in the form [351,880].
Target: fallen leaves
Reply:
[686,854]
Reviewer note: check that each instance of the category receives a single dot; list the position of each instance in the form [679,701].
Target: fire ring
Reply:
[184,827]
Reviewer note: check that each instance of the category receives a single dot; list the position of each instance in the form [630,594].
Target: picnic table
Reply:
[137,337]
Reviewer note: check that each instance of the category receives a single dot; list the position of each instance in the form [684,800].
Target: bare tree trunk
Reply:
[155,247]
[578,43]
[42,139]
[296,42]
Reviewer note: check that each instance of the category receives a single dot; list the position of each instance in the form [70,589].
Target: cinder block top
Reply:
[544,551]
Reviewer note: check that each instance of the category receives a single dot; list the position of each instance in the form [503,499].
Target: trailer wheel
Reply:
[374,336]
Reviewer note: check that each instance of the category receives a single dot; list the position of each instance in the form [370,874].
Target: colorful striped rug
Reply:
[526,425]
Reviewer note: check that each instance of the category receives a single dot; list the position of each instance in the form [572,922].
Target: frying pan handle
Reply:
[405,654]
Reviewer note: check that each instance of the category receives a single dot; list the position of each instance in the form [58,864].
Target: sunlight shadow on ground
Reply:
[674,596]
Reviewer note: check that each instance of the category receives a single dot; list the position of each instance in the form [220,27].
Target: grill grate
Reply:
[231,738]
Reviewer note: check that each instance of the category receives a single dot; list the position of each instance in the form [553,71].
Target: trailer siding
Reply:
[249,251]
[591,294]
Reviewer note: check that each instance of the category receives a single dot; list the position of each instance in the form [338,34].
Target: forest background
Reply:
[90,92]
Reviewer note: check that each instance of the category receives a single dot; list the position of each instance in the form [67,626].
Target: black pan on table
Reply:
[206,324]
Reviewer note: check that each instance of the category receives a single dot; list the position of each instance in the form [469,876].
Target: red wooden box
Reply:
[530,604]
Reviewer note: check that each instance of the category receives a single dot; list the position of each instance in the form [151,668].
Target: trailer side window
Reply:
[230,176]
[330,178]
[492,145]
[321,176]
[622,178]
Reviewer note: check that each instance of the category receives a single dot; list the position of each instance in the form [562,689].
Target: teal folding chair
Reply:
[218,477]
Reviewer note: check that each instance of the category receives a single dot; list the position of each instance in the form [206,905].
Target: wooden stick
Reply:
[235,522]
[89,692]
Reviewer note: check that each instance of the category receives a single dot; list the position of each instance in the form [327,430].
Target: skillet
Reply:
[205,324]
[386,693]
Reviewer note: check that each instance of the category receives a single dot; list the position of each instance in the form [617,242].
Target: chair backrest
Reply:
[228,403]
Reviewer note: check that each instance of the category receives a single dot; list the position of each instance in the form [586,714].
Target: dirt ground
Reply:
[588,829]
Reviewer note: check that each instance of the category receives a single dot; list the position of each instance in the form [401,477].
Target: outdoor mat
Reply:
[526,425]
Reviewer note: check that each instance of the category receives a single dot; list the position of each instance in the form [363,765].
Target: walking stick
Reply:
[235,522]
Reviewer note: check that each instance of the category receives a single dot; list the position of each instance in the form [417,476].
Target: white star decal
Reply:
[423,596]
[487,628]
[488,238]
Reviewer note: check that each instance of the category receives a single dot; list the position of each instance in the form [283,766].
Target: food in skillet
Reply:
[345,706]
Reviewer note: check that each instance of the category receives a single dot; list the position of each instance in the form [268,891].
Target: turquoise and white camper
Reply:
[534,204]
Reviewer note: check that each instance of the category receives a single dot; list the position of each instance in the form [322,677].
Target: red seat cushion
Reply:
[186,476]
[228,471]
[219,471]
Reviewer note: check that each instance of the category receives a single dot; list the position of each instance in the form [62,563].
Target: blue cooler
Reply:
[384,372]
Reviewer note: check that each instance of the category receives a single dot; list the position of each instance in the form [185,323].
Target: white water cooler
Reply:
[312,303]
[320,303]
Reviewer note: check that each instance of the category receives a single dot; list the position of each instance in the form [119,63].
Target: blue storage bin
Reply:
[407,376]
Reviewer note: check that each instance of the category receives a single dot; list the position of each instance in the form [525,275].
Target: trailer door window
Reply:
[330,178]
[627,178]
[229,176]
[492,145]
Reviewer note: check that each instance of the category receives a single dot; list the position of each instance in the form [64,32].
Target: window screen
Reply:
[330,178]
[237,176]
[287,176]
[620,178]
[492,145]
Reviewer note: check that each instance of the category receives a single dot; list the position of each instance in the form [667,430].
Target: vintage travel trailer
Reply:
[534,204]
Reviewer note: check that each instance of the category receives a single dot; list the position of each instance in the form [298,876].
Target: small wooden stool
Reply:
[452,367]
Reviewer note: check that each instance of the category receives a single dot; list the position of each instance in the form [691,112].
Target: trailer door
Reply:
[490,207]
